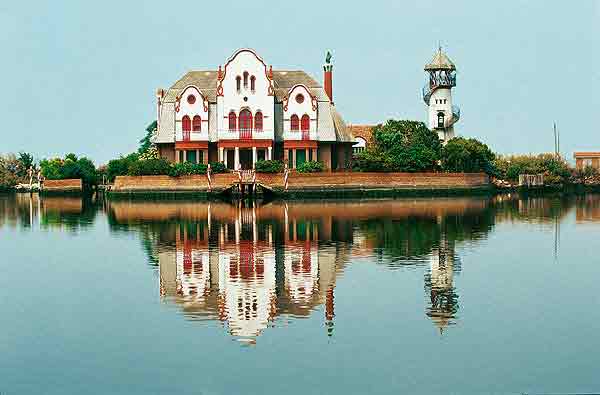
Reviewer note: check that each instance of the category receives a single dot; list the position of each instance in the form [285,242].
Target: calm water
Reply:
[465,295]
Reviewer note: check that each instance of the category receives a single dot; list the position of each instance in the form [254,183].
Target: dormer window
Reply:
[299,98]
[186,123]
[191,99]
[305,123]
[197,123]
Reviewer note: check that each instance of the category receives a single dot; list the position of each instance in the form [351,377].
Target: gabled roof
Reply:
[440,62]
[283,81]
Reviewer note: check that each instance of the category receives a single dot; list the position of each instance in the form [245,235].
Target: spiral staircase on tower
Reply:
[442,81]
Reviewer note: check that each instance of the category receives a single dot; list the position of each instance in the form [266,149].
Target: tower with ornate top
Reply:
[437,94]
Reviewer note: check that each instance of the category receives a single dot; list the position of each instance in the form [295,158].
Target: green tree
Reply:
[467,155]
[401,146]
[25,161]
[146,141]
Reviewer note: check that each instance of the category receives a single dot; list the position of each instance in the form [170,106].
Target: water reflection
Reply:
[251,265]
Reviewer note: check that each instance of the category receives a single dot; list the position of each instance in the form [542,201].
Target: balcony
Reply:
[299,135]
[187,135]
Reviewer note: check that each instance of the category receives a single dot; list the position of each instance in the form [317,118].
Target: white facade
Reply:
[440,113]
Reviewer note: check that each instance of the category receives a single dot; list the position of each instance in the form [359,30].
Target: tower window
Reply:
[253,83]
[440,118]
[245,80]
[238,83]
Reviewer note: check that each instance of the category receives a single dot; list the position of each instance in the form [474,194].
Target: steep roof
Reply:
[440,61]
[283,81]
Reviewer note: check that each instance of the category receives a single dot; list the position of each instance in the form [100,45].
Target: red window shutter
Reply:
[305,125]
[232,121]
[294,122]
[197,123]
[258,121]
[245,120]
[186,124]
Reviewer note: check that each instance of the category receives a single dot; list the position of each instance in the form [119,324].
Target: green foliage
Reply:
[407,146]
[269,166]
[70,167]
[120,167]
[150,153]
[218,167]
[146,141]
[150,167]
[462,155]
[310,167]
[9,167]
[25,161]
[186,169]
[555,169]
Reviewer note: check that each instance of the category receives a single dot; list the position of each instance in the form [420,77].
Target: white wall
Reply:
[257,100]
[293,107]
[192,110]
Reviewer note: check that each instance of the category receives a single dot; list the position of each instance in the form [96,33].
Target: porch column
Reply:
[221,154]
[236,161]
[205,157]
[314,154]
[269,153]
[306,155]
[197,156]
[293,158]
[254,157]
[224,156]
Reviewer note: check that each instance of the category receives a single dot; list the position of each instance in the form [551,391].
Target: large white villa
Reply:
[246,111]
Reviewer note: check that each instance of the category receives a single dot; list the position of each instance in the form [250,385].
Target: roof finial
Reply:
[328,57]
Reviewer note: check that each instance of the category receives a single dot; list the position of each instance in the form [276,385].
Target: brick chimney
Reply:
[327,78]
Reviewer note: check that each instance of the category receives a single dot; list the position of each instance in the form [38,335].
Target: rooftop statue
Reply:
[328,57]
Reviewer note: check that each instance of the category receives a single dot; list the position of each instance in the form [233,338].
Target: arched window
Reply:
[232,121]
[258,121]
[186,123]
[294,123]
[238,83]
[245,120]
[305,123]
[253,83]
[440,119]
[245,80]
[197,123]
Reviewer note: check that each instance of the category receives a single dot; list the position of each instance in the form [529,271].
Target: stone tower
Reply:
[437,94]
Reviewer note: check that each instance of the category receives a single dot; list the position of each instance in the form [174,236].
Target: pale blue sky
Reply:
[80,76]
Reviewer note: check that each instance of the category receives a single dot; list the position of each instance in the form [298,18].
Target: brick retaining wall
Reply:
[307,182]
[70,185]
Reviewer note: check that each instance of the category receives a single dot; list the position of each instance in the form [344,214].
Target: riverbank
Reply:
[306,185]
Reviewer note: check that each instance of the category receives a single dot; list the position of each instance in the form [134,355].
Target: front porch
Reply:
[298,152]
[236,154]
[191,151]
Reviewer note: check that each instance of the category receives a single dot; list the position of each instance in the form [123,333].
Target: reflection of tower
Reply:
[437,94]
[440,288]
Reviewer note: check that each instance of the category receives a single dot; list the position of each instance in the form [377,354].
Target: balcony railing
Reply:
[305,135]
[186,135]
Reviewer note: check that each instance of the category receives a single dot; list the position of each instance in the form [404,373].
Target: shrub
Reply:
[553,167]
[468,156]
[218,167]
[269,166]
[186,169]
[400,146]
[150,167]
[310,167]
[70,167]
[120,167]
[9,167]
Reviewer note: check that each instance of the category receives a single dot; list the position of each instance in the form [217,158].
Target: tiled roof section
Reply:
[587,155]
[283,81]
[343,133]
[440,62]
[364,131]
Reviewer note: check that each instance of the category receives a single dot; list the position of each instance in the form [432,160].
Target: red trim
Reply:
[268,73]
[246,143]
[300,144]
[191,145]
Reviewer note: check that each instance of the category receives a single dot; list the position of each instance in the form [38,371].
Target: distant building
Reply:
[437,94]
[587,159]
[363,137]
[245,111]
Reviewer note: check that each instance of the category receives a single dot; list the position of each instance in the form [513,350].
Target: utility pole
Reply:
[555,141]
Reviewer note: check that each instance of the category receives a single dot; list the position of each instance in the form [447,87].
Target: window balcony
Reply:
[299,135]
[187,135]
